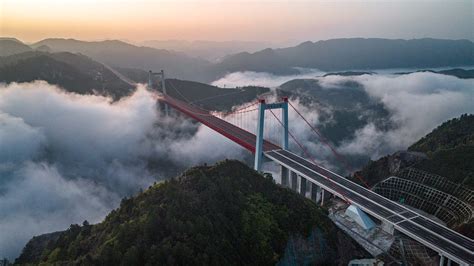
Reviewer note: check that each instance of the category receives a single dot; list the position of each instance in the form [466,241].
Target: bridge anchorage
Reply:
[306,176]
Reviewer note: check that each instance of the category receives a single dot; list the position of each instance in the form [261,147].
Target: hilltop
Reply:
[11,46]
[73,72]
[226,214]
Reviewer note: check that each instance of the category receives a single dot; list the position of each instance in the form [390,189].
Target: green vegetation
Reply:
[73,72]
[225,214]
[449,152]
[212,97]
[451,134]
[450,148]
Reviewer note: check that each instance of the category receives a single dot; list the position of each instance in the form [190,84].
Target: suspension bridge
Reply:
[258,127]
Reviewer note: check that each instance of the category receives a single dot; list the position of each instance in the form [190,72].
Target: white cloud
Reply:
[65,158]
[18,141]
[246,78]
[39,200]
[417,103]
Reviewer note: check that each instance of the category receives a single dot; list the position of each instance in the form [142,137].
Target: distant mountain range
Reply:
[121,54]
[330,55]
[80,74]
[209,50]
[356,53]
[11,46]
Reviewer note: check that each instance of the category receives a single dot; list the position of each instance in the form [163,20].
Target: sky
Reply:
[253,20]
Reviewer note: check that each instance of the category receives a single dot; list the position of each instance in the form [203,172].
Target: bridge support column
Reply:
[314,192]
[163,86]
[261,124]
[150,81]
[284,114]
[294,181]
[284,176]
[441,260]
[303,184]
[323,194]
[259,142]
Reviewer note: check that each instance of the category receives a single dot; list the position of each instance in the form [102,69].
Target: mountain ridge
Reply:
[361,53]
[342,54]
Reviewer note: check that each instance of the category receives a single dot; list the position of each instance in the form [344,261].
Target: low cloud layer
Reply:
[246,78]
[66,158]
[417,103]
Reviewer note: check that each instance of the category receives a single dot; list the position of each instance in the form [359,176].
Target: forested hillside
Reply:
[226,214]
[447,151]
[73,72]
[11,46]
[450,149]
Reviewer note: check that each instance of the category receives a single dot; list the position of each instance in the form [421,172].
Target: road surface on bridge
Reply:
[420,228]
[435,236]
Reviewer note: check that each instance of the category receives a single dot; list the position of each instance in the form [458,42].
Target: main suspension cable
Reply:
[338,156]
[308,154]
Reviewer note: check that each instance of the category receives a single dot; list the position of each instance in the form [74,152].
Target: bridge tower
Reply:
[261,124]
[163,84]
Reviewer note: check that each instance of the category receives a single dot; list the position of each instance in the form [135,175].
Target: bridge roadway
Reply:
[437,237]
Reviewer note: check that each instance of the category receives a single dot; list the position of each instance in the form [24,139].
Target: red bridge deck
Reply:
[236,134]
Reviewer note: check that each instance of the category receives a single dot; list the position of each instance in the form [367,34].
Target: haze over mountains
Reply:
[356,53]
[209,50]
[11,46]
[118,53]
[330,55]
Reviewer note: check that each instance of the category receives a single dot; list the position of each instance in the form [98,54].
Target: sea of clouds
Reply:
[417,103]
[66,158]
[250,78]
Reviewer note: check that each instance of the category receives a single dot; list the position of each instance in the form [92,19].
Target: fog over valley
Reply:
[78,155]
